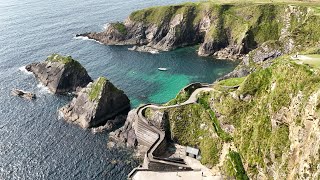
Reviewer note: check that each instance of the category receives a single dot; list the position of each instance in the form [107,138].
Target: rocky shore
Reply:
[223,31]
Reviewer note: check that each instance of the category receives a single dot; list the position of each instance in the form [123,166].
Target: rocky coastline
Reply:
[260,36]
[251,118]
[223,31]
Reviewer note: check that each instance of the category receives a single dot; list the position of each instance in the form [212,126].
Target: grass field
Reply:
[308,2]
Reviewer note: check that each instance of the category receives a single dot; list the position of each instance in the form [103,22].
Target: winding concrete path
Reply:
[161,135]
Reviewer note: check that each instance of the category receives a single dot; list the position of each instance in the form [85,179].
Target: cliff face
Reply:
[60,74]
[228,31]
[96,104]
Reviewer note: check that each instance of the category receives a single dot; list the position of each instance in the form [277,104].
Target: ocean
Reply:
[35,143]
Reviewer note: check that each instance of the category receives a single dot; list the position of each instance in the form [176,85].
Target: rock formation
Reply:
[111,124]
[224,30]
[23,94]
[60,74]
[126,134]
[95,104]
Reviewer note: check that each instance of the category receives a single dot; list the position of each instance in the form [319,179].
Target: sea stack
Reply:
[96,104]
[60,74]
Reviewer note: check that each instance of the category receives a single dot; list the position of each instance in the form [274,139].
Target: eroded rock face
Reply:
[111,124]
[95,104]
[60,74]
[229,35]
[126,134]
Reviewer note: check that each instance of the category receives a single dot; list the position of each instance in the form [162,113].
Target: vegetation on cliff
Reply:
[261,112]
[242,27]
[261,134]
[192,125]
[68,62]
[257,115]
[120,27]
[96,88]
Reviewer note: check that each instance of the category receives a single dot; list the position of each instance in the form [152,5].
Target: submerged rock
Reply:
[60,74]
[23,94]
[96,104]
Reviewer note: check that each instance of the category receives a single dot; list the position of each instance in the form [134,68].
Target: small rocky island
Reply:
[60,74]
[95,104]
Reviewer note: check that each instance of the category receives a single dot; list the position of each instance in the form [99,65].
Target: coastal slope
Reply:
[224,30]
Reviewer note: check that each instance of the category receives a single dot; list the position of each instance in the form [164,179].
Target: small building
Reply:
[193,152]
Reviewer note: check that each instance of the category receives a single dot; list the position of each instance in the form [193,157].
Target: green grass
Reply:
[255,22]
[233,166]
[271,89]
[120,27]
[68,62]
[220,132]
[183,95]
[204,101]
[61,59]
[191,125]
[180,98]
[96,88]
[231,82]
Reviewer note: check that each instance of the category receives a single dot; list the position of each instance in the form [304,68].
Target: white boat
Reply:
[162,69]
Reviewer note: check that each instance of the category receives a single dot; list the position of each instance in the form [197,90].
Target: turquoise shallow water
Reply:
[34,143]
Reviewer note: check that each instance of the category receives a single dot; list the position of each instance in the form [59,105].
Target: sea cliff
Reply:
[224,30]
[260,121]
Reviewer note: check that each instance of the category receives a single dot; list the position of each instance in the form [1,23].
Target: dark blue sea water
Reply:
[34,143]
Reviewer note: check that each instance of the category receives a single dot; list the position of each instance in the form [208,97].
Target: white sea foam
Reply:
[105,26]
[86,39]
[43,89]
[81,38]
[60,114]
[154,52]
[23,69]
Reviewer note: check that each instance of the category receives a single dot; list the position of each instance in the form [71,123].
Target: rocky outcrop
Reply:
[275,120]
[144,48]
[111,124]
[223,30]
[60,74]
[126,135]
[95,104]
[23,94]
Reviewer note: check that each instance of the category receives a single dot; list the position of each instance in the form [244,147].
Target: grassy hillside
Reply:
[243,25]
[258,119]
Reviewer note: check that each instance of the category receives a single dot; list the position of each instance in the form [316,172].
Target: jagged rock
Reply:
[23,94]
[144,48]
[126,134]
[111,124]
[229,35]
[60,74]
[95,104]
